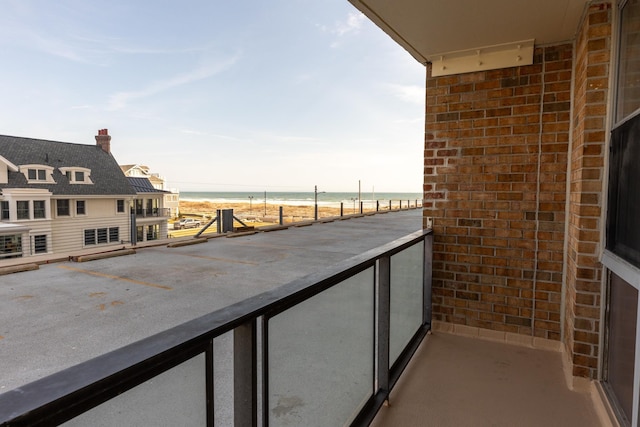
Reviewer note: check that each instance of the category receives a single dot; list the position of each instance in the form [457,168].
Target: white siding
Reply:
[68,232]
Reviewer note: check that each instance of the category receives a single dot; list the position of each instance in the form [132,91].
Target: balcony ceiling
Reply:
[428,29]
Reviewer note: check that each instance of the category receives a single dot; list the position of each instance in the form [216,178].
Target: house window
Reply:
[63,207]
[114,234]
[77,175]
[120,206]
[139,233]
[22,209]
[11,246]
[40,244]
[4,210]
[81,207]
[37,174]
[89,237]
[39,210]
[152,232]
[101,236]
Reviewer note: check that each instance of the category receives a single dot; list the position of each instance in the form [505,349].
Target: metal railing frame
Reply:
[68,393]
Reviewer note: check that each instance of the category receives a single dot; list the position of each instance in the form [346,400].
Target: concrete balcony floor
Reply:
[456,380]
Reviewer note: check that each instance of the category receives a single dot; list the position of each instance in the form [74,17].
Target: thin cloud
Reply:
[121,99]
[407,93]
[352,25]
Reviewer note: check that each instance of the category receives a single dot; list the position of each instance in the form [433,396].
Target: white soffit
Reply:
[429,29]
[483,58]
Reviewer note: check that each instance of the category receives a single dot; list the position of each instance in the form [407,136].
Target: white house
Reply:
[171,196]
[149,214]
[57,197]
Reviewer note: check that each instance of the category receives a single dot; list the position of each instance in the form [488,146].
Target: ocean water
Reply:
[297,198]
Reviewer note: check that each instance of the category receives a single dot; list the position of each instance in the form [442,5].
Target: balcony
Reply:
[152,212]
[325,349]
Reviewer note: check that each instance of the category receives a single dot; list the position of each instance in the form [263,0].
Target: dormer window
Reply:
[77,175]
[37,174]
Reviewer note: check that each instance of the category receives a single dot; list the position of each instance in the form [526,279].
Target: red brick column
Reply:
[584,272]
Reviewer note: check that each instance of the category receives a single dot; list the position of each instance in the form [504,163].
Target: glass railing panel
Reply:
[406,297]
[320,369]
[223,380]
[176,397]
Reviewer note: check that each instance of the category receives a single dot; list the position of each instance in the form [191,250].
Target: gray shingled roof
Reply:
[143,185]
[106,175]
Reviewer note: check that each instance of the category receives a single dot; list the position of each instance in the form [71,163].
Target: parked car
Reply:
[186,223]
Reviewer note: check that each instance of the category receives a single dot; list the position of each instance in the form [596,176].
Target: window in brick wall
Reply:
[623,216]
[629,69]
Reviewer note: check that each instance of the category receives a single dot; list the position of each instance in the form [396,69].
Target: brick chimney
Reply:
[103,140]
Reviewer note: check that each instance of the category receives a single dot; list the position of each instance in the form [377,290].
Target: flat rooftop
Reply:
[68,312]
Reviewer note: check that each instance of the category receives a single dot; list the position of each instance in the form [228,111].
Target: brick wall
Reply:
[584,272]
[498,146]
[495,183]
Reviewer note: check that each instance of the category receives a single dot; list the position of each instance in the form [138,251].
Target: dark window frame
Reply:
[22,213]
[63,207]
[40,244]
[5,213]
[623,229]
[81,207]
[39,209]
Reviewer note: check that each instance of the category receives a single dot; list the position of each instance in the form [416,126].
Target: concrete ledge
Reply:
[103,255]
[269,228]
[211,236]
[18,268]
[303,224]
[498,336]
[187,242]
[242,233]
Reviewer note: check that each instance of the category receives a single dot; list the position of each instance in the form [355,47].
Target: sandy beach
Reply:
[258,211]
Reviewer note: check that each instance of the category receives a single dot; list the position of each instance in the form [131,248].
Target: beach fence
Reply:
[230,220]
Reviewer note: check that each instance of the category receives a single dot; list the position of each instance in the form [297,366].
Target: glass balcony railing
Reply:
[323,350]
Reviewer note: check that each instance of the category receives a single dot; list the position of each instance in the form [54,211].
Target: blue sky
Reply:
[276,95]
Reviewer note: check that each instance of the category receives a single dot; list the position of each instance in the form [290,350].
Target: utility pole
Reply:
[315,210]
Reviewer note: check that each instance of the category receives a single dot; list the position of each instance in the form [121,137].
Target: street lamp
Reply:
[315,215]
[250,203]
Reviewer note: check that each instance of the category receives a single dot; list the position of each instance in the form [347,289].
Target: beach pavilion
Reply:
[532,129]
